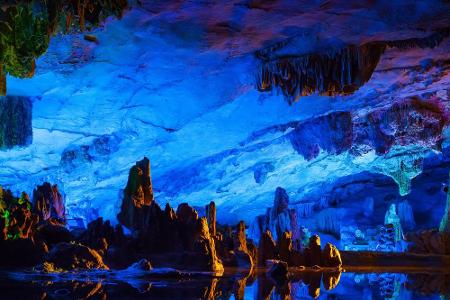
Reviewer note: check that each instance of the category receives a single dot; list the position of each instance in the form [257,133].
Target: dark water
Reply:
[257,286]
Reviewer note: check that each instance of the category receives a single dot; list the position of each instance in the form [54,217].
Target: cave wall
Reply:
[180,87]
[15,122]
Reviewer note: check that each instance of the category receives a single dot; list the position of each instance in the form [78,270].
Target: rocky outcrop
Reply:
[429,242]
[267,248]
[101,235]
[15,121]
[336,134]
[211,217]
[52,233]
[336,73]
[138,196]
[29,27]
[17,221]
[278,219]
[287,252]
[243,255]
[73,257]
[49,203]
[313,253]
[331,256]
[407,122]
[183,234]
[330,73]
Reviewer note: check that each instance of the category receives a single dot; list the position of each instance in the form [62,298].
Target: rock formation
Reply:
[313,253]
[17,219]
[429,242]
[49,203]
[138,196]
[336,135]
[71,256]
[331,256]
[211,217]
[28,29]
[266,248]
[15,121]
[278,219]
[182,234]
[336,73]
[101,236]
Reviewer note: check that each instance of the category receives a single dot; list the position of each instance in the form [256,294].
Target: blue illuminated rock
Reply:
[15,122]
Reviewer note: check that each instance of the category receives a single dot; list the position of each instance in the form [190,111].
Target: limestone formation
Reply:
[17,219]
[337,72]
[29,26]
[331,256]
[429,242]
[71,256]
[267,248]
[138,195]
[313,253]
[211,217]
[100,236]
[278,219]
[243,256]
[15,121]
[49,203]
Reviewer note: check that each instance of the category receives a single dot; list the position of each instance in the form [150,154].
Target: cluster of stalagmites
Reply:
[34,234]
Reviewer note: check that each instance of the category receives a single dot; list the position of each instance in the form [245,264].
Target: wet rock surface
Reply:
[73,257]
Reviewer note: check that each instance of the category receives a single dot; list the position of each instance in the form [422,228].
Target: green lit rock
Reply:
[26,29]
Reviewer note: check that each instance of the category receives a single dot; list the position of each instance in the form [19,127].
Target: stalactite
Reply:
[331,73]
[26,29]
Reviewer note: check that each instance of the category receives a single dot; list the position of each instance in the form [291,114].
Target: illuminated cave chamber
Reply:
[369,132]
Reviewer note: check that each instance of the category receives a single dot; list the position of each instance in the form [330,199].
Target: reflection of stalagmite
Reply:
[331,280]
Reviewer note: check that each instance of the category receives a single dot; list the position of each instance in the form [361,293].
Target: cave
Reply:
[224,149]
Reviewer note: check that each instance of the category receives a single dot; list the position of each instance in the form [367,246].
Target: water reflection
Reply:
[299,285]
